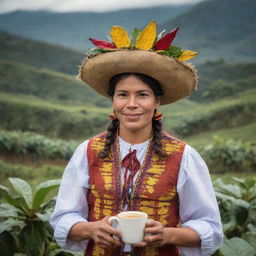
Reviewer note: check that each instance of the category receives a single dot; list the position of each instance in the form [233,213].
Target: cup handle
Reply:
[114,225]
[111,219]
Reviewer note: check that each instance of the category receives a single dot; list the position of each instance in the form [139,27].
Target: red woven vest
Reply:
[155,194]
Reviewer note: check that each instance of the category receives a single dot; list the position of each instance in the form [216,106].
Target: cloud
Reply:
[82,5]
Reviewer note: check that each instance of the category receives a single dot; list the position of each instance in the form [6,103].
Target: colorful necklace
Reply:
[126,193]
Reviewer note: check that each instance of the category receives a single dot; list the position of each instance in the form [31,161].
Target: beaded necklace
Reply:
[120,190]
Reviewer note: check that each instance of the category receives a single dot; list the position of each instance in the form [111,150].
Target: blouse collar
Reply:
[129,146]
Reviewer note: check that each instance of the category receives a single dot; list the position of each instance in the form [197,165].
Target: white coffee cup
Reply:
[131,225]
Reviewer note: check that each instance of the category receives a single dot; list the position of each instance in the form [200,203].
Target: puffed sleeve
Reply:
[71,205]
[198,205]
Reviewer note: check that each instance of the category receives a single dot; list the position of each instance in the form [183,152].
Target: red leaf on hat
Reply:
[101,44]
[165,42]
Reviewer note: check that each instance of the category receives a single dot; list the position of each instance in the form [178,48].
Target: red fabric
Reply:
[156,193]
[131,165]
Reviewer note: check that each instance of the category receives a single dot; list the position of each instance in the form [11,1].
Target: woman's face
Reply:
[134,103]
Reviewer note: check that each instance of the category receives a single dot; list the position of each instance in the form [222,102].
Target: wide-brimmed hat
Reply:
[144,53]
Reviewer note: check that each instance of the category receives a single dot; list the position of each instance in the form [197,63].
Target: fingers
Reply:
[154,235]
[142,244]
[154,227]
[103,234]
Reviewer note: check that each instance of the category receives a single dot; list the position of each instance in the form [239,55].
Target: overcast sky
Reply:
[83,5]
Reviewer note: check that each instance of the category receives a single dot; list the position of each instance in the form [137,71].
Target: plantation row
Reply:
[50,121]
[230,116]
[220,156]
[29,143]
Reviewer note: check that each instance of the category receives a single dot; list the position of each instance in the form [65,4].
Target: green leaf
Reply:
[23,189]
[241,214]
[174,51]
[135,35]
[13,199]
[96,51]
[232,199]
[42,191]
[236,247]
[7,211]
[8,224]
[33,238]
[7,244]
[250,238]
[63,252]
[232,190]
[45,216]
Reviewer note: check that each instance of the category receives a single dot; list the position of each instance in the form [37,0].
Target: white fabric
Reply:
[198,205]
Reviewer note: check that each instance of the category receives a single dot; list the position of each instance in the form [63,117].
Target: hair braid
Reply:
[157,134]
[110,138]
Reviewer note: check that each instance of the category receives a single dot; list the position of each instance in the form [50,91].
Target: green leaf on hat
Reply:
[135,35]
[174,51]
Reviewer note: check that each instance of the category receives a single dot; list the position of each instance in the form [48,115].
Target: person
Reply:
[135,164]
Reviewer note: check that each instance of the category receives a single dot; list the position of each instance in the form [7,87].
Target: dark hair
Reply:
[156,124]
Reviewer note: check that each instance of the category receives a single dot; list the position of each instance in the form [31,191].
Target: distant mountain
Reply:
[73,29]
[38,54]
[218,29]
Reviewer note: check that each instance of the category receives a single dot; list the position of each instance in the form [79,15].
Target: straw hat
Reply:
[140,54]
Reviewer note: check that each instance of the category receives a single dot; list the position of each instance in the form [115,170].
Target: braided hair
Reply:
[114,124]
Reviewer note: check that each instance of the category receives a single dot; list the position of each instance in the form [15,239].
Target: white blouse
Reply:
[197,202]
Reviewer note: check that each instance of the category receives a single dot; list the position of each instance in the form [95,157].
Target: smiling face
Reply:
[134,104]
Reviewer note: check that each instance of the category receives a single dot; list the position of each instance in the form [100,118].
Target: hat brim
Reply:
[176,79]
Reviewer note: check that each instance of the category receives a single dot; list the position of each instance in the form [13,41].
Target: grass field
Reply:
[246,133]
[34,101]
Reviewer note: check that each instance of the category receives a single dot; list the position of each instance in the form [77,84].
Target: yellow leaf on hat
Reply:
[120,37]
[187,55]
[147,37]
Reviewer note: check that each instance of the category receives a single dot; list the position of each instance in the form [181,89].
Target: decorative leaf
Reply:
[120,37]
[42,190]
[135,35]
[187,55]
[165,42]
[147,37]
[174,51]
[101,44]
[95,51]
[160,35]
[23,189]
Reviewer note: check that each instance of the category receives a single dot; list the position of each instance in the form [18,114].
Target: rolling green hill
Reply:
[22,79]
[218,29]
[38,54]
[221,79]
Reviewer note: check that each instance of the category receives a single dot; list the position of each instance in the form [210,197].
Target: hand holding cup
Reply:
[131,225]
